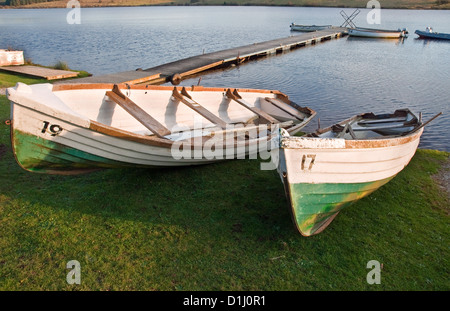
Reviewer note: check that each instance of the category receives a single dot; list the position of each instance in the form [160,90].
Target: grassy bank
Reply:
[404,4]
[217,227]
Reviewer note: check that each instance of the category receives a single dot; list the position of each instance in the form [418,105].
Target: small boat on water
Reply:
[77,128]
[377,33]
[430,34]
[308,28]
[325,171]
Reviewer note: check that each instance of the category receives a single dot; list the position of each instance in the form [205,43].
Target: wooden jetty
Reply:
[176,71]
[40,72]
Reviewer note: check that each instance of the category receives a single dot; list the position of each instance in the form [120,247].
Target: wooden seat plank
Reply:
[281,105]
[137,112]
[260,113]
[389,120]
[186,99]
[378,128]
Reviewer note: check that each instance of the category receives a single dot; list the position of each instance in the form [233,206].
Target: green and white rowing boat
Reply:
[77,128]
[335,167]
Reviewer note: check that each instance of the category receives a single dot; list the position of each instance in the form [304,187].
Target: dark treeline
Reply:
[24,2]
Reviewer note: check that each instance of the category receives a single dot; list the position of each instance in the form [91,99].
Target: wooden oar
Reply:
[423,124]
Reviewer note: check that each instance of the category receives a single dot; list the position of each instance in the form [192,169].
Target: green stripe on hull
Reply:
[314,206]
[36,154]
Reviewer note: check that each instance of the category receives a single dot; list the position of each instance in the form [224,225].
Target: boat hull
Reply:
[323,176]
[79,149]
[432,35]
[39,155]
[375,34]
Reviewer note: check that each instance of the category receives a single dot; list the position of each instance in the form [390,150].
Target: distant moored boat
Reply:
[430,34]
[377,33]
[308,28]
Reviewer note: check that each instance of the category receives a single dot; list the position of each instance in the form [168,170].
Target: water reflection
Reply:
[427,41]
[396,41]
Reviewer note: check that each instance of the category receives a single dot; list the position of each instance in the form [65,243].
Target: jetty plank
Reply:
[40,72]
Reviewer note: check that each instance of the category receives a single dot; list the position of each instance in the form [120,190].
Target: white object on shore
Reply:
[8,58]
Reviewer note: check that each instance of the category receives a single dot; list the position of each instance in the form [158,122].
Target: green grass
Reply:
[10,79]
[224,226]
[61,65]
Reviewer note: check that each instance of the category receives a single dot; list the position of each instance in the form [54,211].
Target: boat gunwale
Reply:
[356,144]
[125,86]
[378,142]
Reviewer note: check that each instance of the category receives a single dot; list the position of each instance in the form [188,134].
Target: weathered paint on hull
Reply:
[314,206]
[78,149]
[39,155]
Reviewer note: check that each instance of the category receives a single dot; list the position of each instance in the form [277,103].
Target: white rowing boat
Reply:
[326,171]
[308,28]
[377,33]
[75,128]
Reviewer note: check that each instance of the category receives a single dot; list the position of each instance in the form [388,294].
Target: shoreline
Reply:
[442,177]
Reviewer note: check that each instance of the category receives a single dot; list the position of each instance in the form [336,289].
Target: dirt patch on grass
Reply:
[443,177]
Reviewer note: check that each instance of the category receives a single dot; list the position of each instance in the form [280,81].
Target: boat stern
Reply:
[40,124]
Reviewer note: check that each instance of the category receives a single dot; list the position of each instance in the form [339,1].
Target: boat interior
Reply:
[371,126]
[167,111]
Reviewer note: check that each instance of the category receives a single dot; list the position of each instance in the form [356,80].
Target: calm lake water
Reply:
[337,78]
